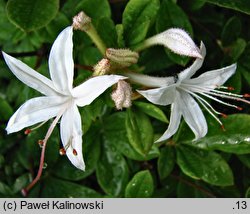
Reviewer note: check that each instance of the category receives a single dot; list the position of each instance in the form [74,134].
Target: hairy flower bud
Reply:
[81,21]
[102,67]
[122,57]
[175,39]
[122,95]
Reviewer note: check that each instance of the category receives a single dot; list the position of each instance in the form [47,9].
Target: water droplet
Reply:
[45,165]
[133,184]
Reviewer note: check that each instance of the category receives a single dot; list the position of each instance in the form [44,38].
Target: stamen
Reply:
[223,115]
[74,152]
[27,131]
[49,132]
[239,108]
[62,151]
[246,95]
[223,128]
[40,143]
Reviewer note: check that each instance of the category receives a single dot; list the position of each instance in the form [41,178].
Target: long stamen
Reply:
[41,166]
[28,131]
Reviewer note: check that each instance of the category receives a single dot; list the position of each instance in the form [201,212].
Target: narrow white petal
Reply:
[34,111]
[178,41]
[29,76]
[193,115]
[160,96]
[175,119]
[71,136]
[150,81]
[92,88]
[214,78]
[190,71]
[61,62]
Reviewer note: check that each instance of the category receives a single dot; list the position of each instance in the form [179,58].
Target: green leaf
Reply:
[112,170]
[120,38]
[107,31]
[5,189]
[57,188]
[31,15]
[205,165]
[151,110]
[137,18]
[115,133]
[231,30]
[91,153]
[21,182]
[237,49]
[140,186]
[248,193]
[242,5]
[171,15]
[5,109]
[245,159]
[166,162]
[233,140]
[139,131]
[94,9]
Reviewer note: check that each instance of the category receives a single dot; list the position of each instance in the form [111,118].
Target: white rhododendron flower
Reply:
[61,99]
[183,92]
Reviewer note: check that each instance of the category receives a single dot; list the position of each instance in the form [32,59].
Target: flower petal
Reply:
[193,115]
[92,88]
[175,119]
[178,41]
[61,62]
[190,71]
[29,76]
[34,111]
[71,135]
[150,81]
[160,96]
[214,78]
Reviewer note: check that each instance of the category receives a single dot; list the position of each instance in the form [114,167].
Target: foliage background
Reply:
[118,145]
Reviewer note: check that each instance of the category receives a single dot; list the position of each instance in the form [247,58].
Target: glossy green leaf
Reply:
[112,170]
[65,189]
[137,18]
[115,132]
[231,31]
[140,186]
[166,162]
[31,15]
[139,131]
[205,165]
[91,153]
[234,139]
[107,31]
[171,15]
[242,5]
[151,110]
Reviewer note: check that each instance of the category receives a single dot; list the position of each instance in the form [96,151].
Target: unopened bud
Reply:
[81,21]
[177,40]
[102,67]
[122,57]
[122,95]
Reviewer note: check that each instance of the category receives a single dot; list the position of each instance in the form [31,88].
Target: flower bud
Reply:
[122,95]
[81,21]
[177,40]
[122,57]
[102,67]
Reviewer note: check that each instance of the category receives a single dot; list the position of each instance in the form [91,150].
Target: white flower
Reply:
[61,99]
[183,92]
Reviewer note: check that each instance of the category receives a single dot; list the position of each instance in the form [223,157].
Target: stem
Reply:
[92,33]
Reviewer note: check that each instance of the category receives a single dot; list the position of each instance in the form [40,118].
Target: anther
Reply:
[230,88]
[223,128]
[246,95]
[40,143]
[223,115]
[239,108]
[62,151]
[74,152]
[27,131]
